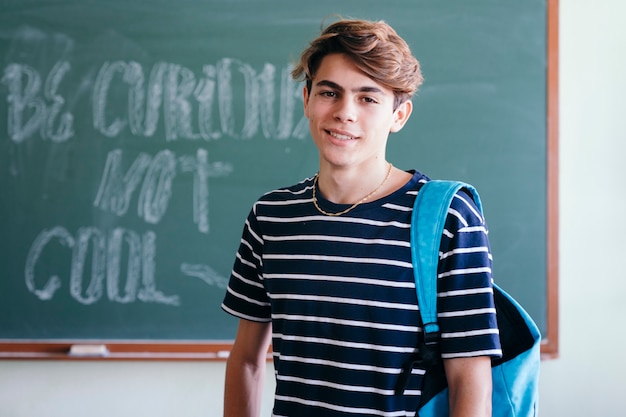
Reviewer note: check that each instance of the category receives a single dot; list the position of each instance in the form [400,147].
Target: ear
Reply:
[401,115]
[305,99]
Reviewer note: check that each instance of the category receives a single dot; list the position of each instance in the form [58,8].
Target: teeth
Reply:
[340,137]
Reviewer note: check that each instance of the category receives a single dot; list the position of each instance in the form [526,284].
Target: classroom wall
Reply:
[584,380]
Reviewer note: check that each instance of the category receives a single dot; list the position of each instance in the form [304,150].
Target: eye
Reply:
[370,100]
[330,94]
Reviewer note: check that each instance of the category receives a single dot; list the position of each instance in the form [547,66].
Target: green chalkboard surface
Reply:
[135,136]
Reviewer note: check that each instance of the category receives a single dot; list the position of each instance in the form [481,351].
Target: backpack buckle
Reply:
[428,355]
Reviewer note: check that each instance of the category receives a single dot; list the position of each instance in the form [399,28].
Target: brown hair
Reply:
[374,47]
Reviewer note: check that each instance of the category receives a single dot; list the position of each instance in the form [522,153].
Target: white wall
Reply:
[585,381]
[588,379]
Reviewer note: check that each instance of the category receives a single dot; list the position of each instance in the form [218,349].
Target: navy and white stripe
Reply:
[341,297]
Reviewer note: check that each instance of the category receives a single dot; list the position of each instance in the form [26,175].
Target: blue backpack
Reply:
[515,375]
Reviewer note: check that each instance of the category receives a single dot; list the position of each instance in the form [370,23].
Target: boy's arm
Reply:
[245,369]
[469,384]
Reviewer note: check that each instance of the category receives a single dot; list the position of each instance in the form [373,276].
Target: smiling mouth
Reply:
[340,136]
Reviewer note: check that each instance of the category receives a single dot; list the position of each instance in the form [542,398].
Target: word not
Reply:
[116,187]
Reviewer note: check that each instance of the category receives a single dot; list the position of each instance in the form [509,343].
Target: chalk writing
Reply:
[227,99]
[172,90]
[116,188]
[205,273]
[90,242]
[24,98]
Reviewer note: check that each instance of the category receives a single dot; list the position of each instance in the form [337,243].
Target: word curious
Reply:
[229,99]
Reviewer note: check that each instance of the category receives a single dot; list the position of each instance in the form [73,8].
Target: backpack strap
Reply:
[430,212]
[427,223]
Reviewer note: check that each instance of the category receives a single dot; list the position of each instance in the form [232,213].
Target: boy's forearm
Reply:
[465,403]
[470,386]
[243,389]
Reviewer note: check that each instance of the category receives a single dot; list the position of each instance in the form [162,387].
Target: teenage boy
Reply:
[324,271]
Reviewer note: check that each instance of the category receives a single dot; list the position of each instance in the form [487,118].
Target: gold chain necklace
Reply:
[355,204]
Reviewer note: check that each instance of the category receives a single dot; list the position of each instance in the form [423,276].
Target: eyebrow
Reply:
[335,86]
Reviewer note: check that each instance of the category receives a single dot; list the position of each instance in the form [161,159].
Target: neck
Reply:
[352,187]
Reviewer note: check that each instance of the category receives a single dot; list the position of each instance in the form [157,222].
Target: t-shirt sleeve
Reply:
[465,302]
[245,295]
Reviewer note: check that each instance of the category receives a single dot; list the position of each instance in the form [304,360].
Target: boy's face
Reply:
[350,115]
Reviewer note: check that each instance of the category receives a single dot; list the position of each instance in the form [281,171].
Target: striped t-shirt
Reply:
[340,294]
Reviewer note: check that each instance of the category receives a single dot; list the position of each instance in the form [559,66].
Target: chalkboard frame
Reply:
[218,350]
[550,344]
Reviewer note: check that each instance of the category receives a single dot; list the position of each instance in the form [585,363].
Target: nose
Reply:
[345,111]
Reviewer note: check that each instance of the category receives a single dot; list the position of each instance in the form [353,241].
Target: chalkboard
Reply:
[135,136]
